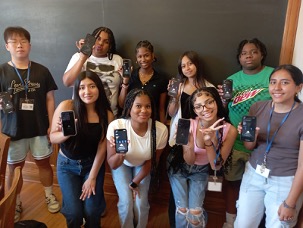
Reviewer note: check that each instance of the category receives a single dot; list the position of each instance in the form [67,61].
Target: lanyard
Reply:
[217,149]
[25,85]
[269,143]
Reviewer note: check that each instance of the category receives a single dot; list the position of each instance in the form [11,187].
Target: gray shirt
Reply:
[282,159]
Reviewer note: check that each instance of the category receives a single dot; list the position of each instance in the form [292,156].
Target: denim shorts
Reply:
[39,147]
[237,166]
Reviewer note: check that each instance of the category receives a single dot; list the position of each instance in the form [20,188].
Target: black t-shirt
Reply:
[155,86]
[24,123]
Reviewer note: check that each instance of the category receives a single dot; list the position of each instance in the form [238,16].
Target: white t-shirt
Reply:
[107,71]
[139,148]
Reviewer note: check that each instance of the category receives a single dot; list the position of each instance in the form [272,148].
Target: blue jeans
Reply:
[71,176]
[259,194]
[189,185]
[131,213]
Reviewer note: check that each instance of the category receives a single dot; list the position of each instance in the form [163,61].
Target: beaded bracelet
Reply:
[287,206]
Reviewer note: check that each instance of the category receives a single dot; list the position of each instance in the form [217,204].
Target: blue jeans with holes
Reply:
[71,176]
[189,185]
[131,213]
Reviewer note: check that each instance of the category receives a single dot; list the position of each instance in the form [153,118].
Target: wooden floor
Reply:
[34,207]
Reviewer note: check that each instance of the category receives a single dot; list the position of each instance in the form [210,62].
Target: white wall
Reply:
[298,51]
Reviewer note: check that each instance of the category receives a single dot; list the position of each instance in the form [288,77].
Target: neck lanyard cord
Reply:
[25,84]
[269,143]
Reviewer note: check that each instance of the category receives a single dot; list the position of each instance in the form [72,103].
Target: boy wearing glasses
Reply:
[31,88]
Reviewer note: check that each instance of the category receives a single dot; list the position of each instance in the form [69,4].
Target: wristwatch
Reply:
[133,184]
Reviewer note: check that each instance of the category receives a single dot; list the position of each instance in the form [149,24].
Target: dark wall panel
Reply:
[213,28]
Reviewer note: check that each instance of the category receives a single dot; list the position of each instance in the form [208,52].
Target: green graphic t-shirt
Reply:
[247,89]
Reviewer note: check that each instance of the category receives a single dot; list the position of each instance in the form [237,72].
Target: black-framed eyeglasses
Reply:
[208,104]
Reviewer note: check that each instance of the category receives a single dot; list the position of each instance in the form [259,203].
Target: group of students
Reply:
[100,90]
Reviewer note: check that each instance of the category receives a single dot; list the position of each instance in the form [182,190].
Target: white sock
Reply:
[48,191]
[18,199]
[230,218]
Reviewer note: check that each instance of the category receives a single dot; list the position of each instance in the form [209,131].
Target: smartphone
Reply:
[87,47]
[7,104]
[227,87]
[68,123]
[121,140]
[182,131]
[174,87]
[248,128]
[127,63]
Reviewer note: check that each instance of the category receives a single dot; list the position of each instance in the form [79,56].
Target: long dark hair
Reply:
[112,42]
[102,107]
[222,112]
[130,98]
[194,58]
[294,72]
[257,43]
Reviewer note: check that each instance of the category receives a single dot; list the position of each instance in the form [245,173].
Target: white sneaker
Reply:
[53,205]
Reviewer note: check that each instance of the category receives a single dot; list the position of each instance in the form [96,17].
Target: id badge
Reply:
[215,184]
[262,170]
[26,104]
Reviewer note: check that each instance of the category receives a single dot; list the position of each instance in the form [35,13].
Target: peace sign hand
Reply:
[209,133]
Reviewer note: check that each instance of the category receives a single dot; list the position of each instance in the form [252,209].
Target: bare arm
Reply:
[188,150]
[70,76]
[295,191]
[162,111]
[226,147]
[56,134]
[50,106]
[89,185]
[174,102]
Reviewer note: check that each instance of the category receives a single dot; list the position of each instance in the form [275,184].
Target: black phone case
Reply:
[174,87]
[68,123]
[87,47]
[227,87]
[121,140]
[248,128]
[126,67]
[183,131]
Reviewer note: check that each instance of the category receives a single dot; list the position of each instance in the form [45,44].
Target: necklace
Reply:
[144,78]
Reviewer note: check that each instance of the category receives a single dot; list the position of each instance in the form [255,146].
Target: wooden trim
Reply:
[290,30]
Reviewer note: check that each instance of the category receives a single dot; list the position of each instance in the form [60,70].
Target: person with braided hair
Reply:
[132,170]
[103,61]
[211,137]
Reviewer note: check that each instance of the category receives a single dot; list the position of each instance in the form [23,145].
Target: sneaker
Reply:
[53,205]
[18,211]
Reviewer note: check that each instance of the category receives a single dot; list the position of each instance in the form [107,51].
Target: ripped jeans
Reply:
[189,185]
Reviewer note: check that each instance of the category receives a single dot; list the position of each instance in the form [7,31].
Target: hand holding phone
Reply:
[121,142]
[182,131]
[6,102]
[227,87]
[174,87]
[248,128]
[87,47]
[127,64]
[68,123]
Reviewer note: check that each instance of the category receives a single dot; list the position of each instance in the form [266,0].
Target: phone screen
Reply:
[127,67]
[121,140]
[68,123]
[248,128]
[183,131]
